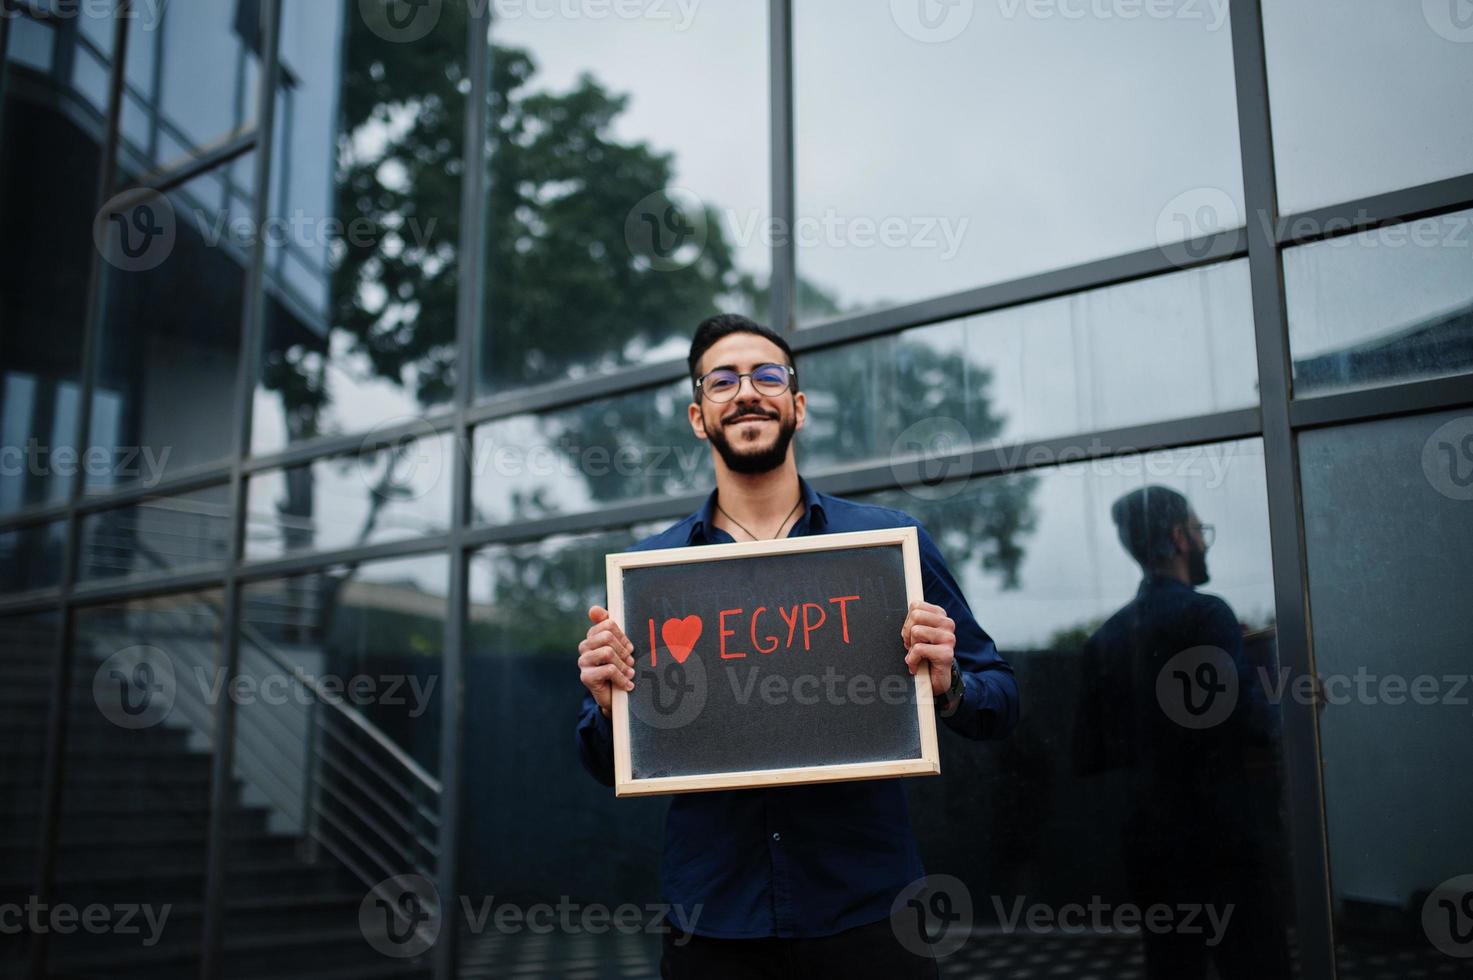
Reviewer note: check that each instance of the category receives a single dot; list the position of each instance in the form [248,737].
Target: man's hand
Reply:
[605,658]
[930,639]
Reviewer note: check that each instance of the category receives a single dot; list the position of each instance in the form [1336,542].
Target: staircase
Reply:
[308,812]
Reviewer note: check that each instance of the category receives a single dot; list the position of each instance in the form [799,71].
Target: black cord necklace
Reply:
[749,533]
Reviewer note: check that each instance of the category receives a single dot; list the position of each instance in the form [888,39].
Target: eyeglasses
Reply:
[722,384]
[1209,534]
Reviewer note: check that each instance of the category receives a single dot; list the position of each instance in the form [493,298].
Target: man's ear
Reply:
[1180,539]
[800,408]
[697,420]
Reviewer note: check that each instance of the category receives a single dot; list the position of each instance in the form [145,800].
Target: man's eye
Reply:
[719,383]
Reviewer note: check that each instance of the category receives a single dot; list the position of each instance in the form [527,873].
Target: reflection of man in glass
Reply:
[1168,698]
[792,880]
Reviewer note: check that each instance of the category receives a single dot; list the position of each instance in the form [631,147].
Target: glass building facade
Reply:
[341,339]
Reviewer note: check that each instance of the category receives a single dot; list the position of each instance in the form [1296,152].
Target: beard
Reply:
[1197,566]
[753,461]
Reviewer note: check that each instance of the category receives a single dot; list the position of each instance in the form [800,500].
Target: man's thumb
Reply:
[597,614]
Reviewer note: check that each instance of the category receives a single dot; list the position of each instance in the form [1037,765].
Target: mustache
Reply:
[750,413]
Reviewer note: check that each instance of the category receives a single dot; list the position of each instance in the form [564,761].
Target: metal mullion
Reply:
[51,789]
[351,444]
[30,601]
[1304,789]
[252,326]
[868,475]
[1412,397]
[783,280]
[311,561]
[108,592]
[1394,207]
[470,307]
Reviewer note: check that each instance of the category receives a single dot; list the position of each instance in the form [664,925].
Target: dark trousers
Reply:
[865,951]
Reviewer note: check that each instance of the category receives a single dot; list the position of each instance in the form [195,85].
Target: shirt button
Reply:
[776,835]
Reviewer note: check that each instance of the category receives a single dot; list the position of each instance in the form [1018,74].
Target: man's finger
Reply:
[605,655]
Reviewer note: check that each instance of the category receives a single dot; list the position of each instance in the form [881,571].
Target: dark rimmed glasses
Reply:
[722,384]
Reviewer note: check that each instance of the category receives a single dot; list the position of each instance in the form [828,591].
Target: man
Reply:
[797,880]
[1169,698]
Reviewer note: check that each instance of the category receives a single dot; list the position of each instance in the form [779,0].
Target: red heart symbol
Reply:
[681,636]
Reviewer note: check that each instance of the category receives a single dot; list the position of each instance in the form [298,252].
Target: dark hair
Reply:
[1145,519]
[713,328]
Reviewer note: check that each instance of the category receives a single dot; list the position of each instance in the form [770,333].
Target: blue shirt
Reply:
[804,861]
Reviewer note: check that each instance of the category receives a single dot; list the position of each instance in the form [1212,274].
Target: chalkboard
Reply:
[769,663]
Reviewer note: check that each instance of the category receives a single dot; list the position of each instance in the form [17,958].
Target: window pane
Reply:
[593,264]
[192,69]
[1107,792]
[48,179]
[170,345]
[1388,530]
[634,447]
[980,153]
[1392,304]
[158,536]
[1366,97]
[28,652]
[528,612]
[137,768]
[361,263]
[30,557]
[337,755]
[1171,347]
[345,501]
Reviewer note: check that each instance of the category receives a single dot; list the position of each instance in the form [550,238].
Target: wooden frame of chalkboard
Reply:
[924,762]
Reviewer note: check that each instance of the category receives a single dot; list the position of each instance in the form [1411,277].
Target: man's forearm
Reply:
[596,742]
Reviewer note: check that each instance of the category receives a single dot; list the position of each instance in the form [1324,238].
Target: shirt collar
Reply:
[812,505]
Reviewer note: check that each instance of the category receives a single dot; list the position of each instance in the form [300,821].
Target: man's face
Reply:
[1196,551]
[751,431]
